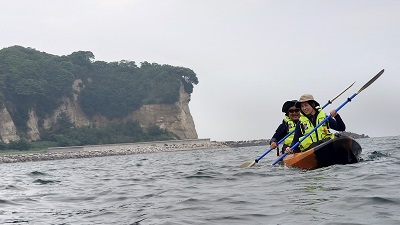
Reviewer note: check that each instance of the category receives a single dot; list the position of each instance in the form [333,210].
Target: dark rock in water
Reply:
[235,144]
[353,135]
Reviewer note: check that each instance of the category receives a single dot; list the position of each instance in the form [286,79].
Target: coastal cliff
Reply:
[61,99]
[175,118]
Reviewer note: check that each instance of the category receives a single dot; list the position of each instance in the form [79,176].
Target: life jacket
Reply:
[321,133]
[291,125]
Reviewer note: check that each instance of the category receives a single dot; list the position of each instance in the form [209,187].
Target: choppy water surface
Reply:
[203,187]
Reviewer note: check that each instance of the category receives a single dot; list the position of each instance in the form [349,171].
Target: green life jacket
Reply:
[321,133]
[291,126]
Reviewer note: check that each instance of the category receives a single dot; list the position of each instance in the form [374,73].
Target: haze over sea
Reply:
[203,187]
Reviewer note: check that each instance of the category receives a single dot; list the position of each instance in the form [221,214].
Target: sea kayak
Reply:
[340,150]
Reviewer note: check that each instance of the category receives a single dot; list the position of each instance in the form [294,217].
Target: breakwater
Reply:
[57,153]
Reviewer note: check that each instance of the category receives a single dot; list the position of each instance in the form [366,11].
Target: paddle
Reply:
[250,164]
[341,106]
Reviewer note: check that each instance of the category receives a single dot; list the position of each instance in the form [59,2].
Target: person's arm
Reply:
[279,134]
[336,122]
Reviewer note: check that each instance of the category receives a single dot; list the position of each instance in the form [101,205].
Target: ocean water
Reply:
[203,187]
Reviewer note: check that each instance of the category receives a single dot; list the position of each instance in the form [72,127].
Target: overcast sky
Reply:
[250,55]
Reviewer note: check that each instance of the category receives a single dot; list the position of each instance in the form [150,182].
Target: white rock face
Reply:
[33,131]
[8,131]
[175,118]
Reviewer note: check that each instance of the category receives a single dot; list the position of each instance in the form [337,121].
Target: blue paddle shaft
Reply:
[279,142]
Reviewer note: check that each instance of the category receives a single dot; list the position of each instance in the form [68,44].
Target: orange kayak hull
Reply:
[341,150]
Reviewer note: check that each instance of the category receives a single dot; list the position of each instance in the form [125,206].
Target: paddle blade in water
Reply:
[247,164]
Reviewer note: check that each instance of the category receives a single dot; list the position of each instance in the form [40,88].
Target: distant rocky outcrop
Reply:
[235,144]
[353,135]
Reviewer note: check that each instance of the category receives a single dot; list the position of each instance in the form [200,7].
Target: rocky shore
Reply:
[110,150]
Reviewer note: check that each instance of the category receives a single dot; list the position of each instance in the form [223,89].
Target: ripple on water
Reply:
[43,181]
[37,173]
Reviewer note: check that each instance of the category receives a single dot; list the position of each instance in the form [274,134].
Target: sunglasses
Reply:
[294,110]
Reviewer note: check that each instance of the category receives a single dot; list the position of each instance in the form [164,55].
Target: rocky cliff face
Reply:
[175,118]
[8,131]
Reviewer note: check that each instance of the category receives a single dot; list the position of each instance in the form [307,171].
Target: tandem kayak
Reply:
[340,150]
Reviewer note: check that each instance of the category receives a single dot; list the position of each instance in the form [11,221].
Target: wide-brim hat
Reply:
[306,98]
[287,105]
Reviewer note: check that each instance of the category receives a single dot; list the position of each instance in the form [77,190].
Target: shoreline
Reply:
[75,152]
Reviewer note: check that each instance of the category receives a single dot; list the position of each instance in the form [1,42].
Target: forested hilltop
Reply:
[34,81]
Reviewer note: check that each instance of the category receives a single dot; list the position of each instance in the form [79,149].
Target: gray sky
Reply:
[250,55]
